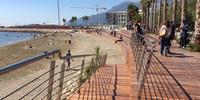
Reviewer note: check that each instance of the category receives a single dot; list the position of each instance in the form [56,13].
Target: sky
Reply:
[23,12]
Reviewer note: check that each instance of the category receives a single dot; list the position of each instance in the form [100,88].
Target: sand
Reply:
[82,43]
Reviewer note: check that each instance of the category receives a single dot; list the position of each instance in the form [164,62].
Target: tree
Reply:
[160,13]
[174,10]
[64,21]
[132,12]
[74,19]
[155,13]
[85,19]
[184,11]
[197,22]
[144,11]
[152,14]
[164,11]
[148,5]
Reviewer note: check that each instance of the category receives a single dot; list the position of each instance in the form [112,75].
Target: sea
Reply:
[7,38]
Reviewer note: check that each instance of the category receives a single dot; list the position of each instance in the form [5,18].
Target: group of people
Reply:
[167,34]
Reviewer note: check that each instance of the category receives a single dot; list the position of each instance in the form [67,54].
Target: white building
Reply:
[119,18]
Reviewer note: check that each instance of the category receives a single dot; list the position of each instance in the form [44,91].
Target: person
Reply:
[164,34]
[68,58]
[120,39]
[184,34]
[172,35]
[140,32]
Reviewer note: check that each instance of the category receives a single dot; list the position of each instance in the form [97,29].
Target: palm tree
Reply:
[144,11]
[64,21]
[74,19]
[155,14]
[160,13]
[197,23]
[152,13]
[165,11]
[148,5]
[174,10]
[85,19]
[132,12]
[184,11]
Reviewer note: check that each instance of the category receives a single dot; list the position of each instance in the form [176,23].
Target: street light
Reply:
[58,6]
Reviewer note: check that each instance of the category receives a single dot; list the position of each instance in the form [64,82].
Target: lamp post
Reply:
[58,6]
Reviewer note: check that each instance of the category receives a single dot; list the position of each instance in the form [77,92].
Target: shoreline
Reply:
[18,41]
[33,30]
[11,53]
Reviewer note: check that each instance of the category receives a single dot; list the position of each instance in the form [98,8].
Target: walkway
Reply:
[171,78]
[111,82]
[184,66]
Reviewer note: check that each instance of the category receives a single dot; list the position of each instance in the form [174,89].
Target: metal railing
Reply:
[58,81]
[154,80]
[142,50]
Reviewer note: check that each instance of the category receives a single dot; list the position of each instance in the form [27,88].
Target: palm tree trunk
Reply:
[197,23]
[145,17]
[152,13]
[160,14]
[155,14]
[184,11]
[174,10]
[165,11]
[148,10]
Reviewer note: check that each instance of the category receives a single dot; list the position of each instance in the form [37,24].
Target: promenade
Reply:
[175,77]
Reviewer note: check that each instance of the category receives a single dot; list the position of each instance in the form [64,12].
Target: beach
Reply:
[82,43]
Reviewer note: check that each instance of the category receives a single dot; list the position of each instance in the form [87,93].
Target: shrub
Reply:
[194,47]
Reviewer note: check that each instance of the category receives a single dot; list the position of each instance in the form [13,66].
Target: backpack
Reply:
[163,31]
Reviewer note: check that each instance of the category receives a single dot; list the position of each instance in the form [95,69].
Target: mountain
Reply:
[102,16]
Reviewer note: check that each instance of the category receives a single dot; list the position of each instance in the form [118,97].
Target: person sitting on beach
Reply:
[120,39]
[68,58]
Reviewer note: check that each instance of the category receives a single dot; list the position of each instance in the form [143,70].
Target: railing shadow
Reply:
[102,85]
[161,84]
[154,79]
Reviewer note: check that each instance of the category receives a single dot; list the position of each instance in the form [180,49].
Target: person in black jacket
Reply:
[172,35]
[184,34]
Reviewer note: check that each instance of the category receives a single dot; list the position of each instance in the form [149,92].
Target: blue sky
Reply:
[19,12]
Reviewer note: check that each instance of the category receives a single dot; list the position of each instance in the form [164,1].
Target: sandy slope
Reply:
[82,43]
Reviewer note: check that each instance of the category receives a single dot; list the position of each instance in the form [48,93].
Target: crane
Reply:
[95,8]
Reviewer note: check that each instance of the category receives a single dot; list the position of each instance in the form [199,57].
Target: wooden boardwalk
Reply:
[176,77]
[111,82]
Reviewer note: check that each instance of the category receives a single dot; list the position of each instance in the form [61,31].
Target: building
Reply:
[119,18]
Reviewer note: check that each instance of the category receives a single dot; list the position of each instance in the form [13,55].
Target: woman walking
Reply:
[164,34]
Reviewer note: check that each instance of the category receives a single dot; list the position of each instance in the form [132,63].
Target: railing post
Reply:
[51,78]
[61,81]
[105,59]
[82,68]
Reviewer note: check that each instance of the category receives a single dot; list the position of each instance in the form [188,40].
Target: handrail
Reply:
[26,61]
[33,59]
[76,77]
[153,77]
